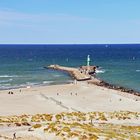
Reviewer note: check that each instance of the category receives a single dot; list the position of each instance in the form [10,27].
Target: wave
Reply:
[31,83]
[56,75]
[8,86]
[47,82]
[8,76]
[137,70]
[5,81]
[5,84]
[100,71]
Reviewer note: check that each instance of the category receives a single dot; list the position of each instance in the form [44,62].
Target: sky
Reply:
[69,21]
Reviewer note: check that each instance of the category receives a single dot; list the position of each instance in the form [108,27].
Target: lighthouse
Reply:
[88,60]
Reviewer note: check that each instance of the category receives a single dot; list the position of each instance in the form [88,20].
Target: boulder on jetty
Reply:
[88,69]
[111,86]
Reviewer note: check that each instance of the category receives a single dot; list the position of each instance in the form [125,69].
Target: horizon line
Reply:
[70,44]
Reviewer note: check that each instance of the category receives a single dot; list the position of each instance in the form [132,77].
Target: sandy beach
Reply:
[55,99]
[81,97]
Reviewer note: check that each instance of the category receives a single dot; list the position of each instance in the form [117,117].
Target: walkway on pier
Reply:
[76,73]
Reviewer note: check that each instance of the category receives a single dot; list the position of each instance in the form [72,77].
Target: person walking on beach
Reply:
[14,136]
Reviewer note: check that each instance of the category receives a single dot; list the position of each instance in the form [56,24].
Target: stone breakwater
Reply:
[115,87]
[76,74]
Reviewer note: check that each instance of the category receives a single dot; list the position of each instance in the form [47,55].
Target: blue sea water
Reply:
[22,65]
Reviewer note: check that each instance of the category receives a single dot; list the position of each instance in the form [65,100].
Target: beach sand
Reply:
[80,97]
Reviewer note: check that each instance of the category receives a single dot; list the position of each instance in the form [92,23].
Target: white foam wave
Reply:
[8,76]
[100,71]
[137,70]
[31,83]
[5,85]
[5,81]
[47,82]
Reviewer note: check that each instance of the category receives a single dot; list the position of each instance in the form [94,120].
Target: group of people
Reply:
[10,92]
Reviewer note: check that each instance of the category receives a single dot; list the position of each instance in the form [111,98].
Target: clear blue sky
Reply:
[69,21]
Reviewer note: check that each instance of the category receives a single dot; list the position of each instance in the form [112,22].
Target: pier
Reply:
[83,73]
[76,73]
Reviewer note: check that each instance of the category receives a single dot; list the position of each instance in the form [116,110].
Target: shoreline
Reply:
[35,85]
[95,80]
[125,92]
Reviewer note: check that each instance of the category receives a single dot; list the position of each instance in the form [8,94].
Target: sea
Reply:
[23,65]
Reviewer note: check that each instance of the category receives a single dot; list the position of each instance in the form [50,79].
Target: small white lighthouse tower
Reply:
[88,60]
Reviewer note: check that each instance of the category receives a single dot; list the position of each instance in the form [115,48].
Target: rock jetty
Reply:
[111,86]
[74,72]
